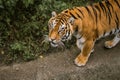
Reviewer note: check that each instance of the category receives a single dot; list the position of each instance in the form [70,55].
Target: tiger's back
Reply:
[103,17]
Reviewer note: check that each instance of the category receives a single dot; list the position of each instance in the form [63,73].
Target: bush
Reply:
[23,25]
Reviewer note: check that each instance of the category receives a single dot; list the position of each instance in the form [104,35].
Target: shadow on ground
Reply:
[104,64]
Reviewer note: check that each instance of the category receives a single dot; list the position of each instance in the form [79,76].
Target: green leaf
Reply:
[28,2]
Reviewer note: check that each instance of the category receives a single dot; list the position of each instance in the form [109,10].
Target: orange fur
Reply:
[91,22]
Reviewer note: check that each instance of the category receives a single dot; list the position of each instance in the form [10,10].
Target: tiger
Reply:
[88,24]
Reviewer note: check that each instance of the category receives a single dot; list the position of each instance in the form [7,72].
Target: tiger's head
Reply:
[60,28]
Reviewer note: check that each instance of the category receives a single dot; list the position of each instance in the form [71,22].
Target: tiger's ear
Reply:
[71,20]
[54,14]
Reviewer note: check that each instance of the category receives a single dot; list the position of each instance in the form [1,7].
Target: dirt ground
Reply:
[103,64]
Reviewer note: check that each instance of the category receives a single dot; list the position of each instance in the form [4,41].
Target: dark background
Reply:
[23,27]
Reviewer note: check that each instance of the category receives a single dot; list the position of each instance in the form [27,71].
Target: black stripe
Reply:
[78,15]
[116,24]
[115,31]
[110,4]
[116,17]
[76,29]
[95,13]
[68,34]
[97,32]
[62,20]
[65,19]
[110,32]
[104,33]
[103,7]
[117,3]
[79,37]
[80,12]
[117,21]
[109,12]
[98,10]
[66,11]
[73,15]
[89,12]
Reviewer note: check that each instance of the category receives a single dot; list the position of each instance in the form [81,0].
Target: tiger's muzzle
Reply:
[55,43]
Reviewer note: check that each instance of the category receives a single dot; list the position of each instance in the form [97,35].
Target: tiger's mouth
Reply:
[53,44]
[58,44]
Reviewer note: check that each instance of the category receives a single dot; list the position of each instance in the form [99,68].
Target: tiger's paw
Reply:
[81,60]
[109,44]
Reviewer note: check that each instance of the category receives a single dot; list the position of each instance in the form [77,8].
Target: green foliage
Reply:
[18,46]
[23,25]
[28,2]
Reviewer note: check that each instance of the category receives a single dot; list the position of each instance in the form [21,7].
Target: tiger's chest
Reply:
[79,38]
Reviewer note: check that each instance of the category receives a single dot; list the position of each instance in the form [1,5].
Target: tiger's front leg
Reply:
[82,58]
[79,43]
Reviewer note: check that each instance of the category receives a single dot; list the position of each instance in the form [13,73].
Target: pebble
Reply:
[17,69]
[41,56]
